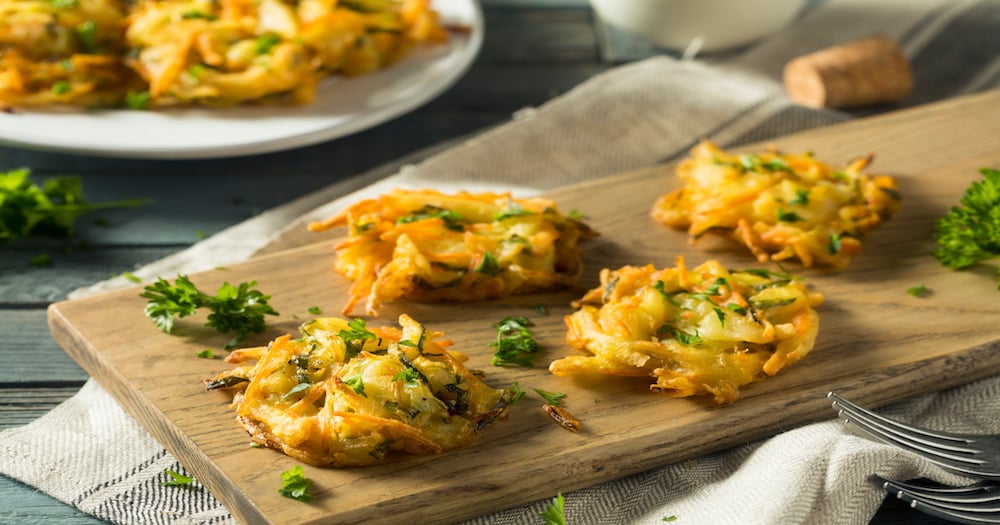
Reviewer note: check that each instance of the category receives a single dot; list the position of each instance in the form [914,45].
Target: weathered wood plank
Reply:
[539,36]
[22,405]
[23,504]
[30,355]
[20,282]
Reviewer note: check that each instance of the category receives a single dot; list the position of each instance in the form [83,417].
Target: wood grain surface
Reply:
[877,344]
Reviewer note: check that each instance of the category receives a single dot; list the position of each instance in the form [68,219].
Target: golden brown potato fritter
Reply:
[779,206]
[705,331]
[427,246]
[346,395]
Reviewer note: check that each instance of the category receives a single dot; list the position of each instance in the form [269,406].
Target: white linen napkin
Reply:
[89,453]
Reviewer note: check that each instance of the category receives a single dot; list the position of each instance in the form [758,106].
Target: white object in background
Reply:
[720,24]
[343,105]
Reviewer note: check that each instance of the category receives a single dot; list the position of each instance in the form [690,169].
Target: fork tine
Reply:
[946,453]
[943,439]
[922,499]
[982,493]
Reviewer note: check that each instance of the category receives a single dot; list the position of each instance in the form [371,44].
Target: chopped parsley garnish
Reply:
[970,233]
[137,100]
[489,265]
[205,354]
[833,244]
[196,70]
[295,484]
[685,338]
[552,398]
[266,42]
[755,163]
[357,384]
[452,220]
[177,480]
[801,198]
[515,345]
[574,215]
[132,277]
[28,209]
[668,519]
[315,310]
[917,291]
[61,87]
[86,34]
[540,308]
[721,315]
[788,216]
[555,512]
[512,210]
[733,307]
[408,375]
[772,303]
[295,390]
[239,309]
[194,14]
[355,336]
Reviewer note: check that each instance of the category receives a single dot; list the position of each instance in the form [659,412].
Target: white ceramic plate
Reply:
[342,106]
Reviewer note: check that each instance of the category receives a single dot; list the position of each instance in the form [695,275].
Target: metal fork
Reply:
[976,504]
[973,455]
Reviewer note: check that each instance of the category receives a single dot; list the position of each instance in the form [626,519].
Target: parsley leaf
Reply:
[266,42]
[295,484]
[685,338]
[489,265]
[355,336]
[512,210]
[452,220]
[315,310]
[970,233]
[918,290]
[205,354]
[239,309]
[409,376]
[515,345]
[552,398]
[137,100]
[177,480]
[555,512]
[357,384]
[788,216]
[27,209]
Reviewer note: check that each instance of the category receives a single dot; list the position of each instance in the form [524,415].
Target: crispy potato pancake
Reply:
[779,206]
[155,53]
[342,395]
[705,331]
[427,246]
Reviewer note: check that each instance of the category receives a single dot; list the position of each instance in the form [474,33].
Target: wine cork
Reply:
[865,72]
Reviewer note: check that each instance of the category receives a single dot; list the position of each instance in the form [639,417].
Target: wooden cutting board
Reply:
[877,344]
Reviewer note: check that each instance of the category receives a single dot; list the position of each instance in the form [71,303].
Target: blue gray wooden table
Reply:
[533,50]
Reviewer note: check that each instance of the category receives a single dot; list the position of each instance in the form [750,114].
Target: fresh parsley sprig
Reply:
[515,345]
[555,511]
[50,209]
[295,484]
[239,309]
[177,480]
[970,233]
